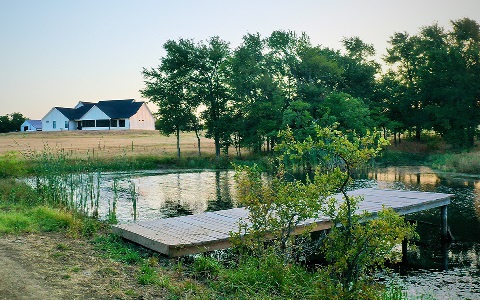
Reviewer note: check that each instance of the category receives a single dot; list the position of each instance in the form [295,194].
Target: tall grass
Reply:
[62,182]
[467,162]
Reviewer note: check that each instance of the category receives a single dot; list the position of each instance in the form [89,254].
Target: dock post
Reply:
[405,251]
[444,223]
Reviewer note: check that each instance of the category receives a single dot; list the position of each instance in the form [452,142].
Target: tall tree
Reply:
[465,52]
[405,57]
[169,86]
[359,68]
[440,73]
[213,91]
[257,98]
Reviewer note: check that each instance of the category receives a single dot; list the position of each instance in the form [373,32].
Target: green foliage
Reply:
[48,219]
[11,122]
[22,219]
[206,267]
[400,158]
[353,247]
[350,113]
[15,222]
[169,86]
[275,208]
[264,277]
[467,162]
[147,274]
[435,76]
[11,165]
[115,248]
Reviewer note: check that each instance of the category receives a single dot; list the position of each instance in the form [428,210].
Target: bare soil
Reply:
[53,266]
[103,143]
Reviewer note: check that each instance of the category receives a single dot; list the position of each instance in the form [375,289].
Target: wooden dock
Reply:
[211,230]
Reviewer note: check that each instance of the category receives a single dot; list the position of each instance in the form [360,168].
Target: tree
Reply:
[11,122]
[169,86]
[349,113]
[359,69]
[212,90]
[353,247]
[439,73]
[451,80]
[257,101]
[405,57]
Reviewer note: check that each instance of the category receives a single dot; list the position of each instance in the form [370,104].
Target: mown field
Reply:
[103,143]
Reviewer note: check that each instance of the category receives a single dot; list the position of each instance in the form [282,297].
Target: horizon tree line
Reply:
[243,97]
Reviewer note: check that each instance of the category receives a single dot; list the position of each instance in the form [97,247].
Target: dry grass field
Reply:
[103,143]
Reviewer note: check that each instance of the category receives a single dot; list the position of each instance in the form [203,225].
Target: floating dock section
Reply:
[211,230]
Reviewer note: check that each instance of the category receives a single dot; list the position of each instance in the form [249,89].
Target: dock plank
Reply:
[211,230]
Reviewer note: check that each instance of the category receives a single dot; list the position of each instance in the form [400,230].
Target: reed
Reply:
[62,181]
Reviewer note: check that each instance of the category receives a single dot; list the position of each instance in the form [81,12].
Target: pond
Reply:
[451,271]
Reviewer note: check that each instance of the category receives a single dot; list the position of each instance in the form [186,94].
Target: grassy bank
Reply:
[432,153]
[467,162]
[48,207]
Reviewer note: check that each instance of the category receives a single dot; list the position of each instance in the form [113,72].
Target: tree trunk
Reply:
[217,146]
[198,143]
[395,138]
[418,131]
[178,142]
[471,136]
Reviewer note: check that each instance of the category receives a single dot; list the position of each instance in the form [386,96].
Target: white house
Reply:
[103,115]
[31,125]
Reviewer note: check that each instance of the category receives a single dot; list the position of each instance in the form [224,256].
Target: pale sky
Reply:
[59,52]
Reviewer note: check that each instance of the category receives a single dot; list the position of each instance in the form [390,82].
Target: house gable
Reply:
[56,120]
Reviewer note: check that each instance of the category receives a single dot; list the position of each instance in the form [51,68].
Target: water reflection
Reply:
[223,188]
[181,193]
[450,271]
[445,271]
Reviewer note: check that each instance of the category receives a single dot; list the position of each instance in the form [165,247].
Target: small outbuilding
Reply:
[31,125]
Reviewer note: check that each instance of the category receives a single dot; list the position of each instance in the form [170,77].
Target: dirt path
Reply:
[51,266]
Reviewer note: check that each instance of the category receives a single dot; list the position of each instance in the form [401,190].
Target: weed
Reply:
[206,267]
[115,248]
[76,269]
[62,247]
[148,275]
[131,293]
[16,222]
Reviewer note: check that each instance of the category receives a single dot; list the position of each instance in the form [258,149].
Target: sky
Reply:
[57,52]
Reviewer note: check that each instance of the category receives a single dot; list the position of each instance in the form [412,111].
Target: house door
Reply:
[25,128]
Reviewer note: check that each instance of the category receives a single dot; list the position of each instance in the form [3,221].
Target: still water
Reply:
[449,271]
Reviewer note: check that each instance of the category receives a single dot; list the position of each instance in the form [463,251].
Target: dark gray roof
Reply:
[75,113]
[119,109]
[115,109]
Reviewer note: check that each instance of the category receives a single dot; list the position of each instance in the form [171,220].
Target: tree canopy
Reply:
[243,97]
[11,122]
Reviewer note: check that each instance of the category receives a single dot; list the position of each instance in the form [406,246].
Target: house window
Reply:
[114,123]
[121,123]
[54,124]
[66,124]
[103,123]
[88,123]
